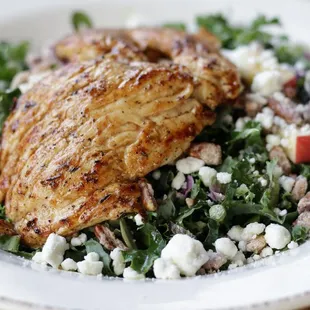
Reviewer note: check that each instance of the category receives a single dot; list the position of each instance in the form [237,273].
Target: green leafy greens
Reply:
[81,20]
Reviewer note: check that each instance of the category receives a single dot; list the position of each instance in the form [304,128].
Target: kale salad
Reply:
[238,195]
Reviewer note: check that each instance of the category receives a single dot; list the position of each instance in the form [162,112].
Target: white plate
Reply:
[280,282]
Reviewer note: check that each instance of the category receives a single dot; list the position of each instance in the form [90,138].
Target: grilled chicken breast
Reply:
[77,145]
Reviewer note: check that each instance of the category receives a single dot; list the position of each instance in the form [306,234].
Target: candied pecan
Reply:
[256,245]
[210,153]
[278,153]
[303,219]
[285,110]
[107,238]
[300,188]
[148,199]
[304,203]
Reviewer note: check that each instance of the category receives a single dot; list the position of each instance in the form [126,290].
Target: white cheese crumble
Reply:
[166,269]
[265,118]
[53,251]
[156,175]
[235,233]
[186,253]
[131,274]
[90,265]
[277,236]
[189,165]
[242,245]
[252,230]
[226,247]
[138,219]
[118,261]
[272,140]
[206,175]
[267,251]
[239,259]
[224,177]
[287,183]
[292,245]
[263,181]
[69,264]
[79,240]
[267,82]
[178,181]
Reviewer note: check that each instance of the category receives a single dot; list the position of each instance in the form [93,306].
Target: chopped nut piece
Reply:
[148,199]
[300,188]
[285,110]
[303,219]
[210,153]
[256,245]
[252,108]
[304,204]
[189,202]
[107,238]
[277,152]
[215,262]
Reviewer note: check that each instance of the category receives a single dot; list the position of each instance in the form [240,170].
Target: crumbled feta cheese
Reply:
[232,266]
[189,165]
[251,230]
[226,247]
[242,245]
[272,140]
[156,175]
[265,118]
[292,245]
[263,181]
[54,249]
[256,257]
[224,177]
[178,181]
[267,251]
[235,233]
[283,212]
[267,82]
[118,261]
[252,160]
[287,183]
[186,253]
[250,260]
[69,264]
[241,121]
[131,274]
[257,98]
[79,240]
[255,173]
[38,258]
[90,265]
[207,174]
[285,142]
[138,219]
[277,236]
[251,59]
[165,269]
[239,259]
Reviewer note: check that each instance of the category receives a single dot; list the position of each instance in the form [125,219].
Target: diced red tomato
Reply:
[302,150]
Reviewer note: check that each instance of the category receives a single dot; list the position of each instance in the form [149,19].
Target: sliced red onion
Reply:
[189,185]
[215,194]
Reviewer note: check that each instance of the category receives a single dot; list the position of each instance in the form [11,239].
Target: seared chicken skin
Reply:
[77,145]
